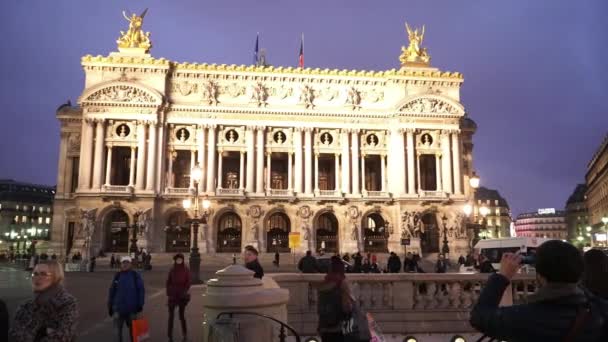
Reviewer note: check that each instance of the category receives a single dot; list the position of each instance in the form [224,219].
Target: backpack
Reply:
[330,307]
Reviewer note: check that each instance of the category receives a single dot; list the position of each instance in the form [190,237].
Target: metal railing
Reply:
[282,335]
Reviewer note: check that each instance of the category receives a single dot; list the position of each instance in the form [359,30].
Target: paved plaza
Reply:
[91,290]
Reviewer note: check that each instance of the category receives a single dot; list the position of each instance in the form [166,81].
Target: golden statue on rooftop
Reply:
[135,36]
[414,54]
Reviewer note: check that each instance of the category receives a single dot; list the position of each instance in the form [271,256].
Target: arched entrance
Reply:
[178,233]
[278,227]
[429,240]
[229,230]
[117,232]
[375,234]
[326,229]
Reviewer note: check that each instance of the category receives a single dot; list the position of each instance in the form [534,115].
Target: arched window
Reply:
[229,233]
[277,237]
[177,233]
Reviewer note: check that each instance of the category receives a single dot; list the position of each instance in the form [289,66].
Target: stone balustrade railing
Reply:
[118,189]
[233,192]
[404,302]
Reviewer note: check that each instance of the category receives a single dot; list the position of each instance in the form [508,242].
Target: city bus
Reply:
[493,249]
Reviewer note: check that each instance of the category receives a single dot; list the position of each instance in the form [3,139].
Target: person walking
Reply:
[461,260]
[112,261]
[178,285]
[334,302]
[126,297]
[277,258]
[441,266]
[93,263]
[595,276]
[251,261]
[559,311]
[394,263]
[308,264]
[52,315]
[409,265]
[358,265]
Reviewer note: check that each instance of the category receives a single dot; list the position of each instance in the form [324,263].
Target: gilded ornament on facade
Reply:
[414,54]
[135,37]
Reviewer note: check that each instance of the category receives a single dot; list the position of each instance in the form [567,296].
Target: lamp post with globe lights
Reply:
[195,256]
[472,214]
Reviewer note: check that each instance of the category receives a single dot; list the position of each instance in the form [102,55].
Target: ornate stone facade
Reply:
[353,160]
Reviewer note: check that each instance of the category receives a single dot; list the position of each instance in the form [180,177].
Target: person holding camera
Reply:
[559,311]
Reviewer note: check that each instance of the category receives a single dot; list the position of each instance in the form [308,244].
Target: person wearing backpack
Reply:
[126,298]
[334,303]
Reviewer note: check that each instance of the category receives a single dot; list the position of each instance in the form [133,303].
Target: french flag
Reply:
[301,57]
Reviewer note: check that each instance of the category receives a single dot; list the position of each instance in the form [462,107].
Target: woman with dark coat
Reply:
[178,285]
[334,302]
[595,276]
[52,315]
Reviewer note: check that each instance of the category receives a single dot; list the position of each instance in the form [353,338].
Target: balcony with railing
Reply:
[432,194]
[376,194]
[230,192]
[328,193]
[177,191]
[279,192]
[117,190]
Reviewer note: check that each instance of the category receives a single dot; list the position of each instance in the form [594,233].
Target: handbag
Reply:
[140,330]
[355,327]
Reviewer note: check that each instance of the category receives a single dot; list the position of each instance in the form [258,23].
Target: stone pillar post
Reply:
[220,171]
[192,165]
[141,156]
[69,170]
[383,170]
[298,160]
[161,155]
[211,160]
[445,162]
[242,171]
[411,184]
[98,159]
[63,162]
[363,190]
[170,181]
[316,172]
[289,170]
[345,163]
[337,173]
[438,186]
[308,160]
[84,173]
[355,161]
[397,162]
[259,174]
[418,172]
[151,176]
[109,165]
[132,167]
[268,171]
[456,158]
[249,137]
[201,157]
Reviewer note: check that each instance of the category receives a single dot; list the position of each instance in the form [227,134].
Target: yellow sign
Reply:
[294,240]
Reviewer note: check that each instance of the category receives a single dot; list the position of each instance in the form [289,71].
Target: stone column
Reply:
[259,174]
[108,165]
[242,171]
[211,159]
[69,170]
[289,170]
[192,165]
[438,186]
[308,160]
[98,159]
[456,157]
[345,163]
[446,175]
[411,184]
[201,157]
[298,160]
[337,172]
[397,162]
[220,172]
[170,183]
[132,167]
[316,172]
[84,173]
[141,155]
[151,176]
[63,162]
[161,155]
[355,161]
[383,170]
[363,173]
[249,136]
[268,170]
[418,171]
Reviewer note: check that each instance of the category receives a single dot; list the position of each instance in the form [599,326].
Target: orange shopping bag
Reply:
[140,330]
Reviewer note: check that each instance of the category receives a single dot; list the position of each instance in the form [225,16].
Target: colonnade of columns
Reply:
[400,163]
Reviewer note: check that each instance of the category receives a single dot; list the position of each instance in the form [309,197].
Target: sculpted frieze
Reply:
[121,93]
[185,88]
[234,90]
[307,97]
[282,92]
[121,110]
[373,95]
[210,93]
[259,94]
[74,143]
[428,105]
[354,98]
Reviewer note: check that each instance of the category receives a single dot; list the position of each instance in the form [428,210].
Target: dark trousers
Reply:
[332,337]
[119,321]
[182,309]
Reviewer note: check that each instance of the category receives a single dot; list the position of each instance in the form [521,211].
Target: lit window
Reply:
[34,208]
[48,220]
[48,209]
[17,207]
[23,219]
[40,220]
[16,218]
[25,208]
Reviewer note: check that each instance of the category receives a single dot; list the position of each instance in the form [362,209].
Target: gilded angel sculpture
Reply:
[135,36]
[414,53]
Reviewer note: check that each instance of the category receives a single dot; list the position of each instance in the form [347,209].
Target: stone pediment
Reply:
[122,93]
[431,105]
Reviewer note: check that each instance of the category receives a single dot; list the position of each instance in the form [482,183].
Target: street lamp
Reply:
[469,210]
[195,257]
[133,248]
[445,249]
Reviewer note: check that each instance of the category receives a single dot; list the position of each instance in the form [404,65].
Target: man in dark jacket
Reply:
[251,261]
[486,265]
[441,266]
[308,264]
[358,263]
[559,311]
[126,299]
[394,263]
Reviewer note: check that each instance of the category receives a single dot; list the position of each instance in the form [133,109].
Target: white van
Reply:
[493,249]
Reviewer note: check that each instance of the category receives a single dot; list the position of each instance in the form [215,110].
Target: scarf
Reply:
[44,297]
[555,290]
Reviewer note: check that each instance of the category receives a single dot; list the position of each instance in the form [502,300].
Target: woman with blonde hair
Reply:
[52,314]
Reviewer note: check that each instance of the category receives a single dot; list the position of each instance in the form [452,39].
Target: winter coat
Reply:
[308,264]
[549,316]
[441,266]
[255,267]
[394,264]
[51,316]
[127,293]
[178,285]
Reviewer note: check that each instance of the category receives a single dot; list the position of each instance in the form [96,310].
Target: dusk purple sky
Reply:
[535,71]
